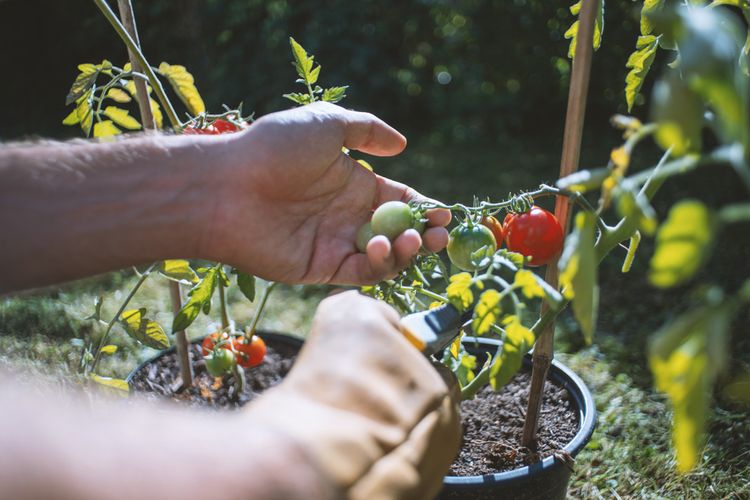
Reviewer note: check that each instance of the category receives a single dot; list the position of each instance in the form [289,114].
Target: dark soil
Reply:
[493,423]
[162,378]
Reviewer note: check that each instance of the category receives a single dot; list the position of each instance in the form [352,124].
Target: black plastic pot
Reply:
[547,479]
[269,337]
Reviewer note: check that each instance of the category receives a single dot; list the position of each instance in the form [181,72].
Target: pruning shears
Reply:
[432,331]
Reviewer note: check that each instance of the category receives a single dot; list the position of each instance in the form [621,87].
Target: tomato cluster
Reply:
[233,351]
[219,126]
[390,219]
[535,234]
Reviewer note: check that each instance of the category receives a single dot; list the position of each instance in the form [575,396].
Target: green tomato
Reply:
[467,239]
[220,362]
[364,235]
[391,219]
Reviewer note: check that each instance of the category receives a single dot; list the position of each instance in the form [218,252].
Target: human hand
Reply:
[375,418]
[290,201]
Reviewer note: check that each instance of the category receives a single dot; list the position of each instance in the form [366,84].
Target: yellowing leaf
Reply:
[121,117]
[456,346]
[144,330]
[620,158]
[156,111]
[682,244]
[105,128]
[459,291]
[572,32]
[178,269]
[649,7]
[639,63]
[118,95]
[72,118]
[486,312]
[578,273]
[109,349]
[519,336]
[527,282]
[115,385]
[183,84]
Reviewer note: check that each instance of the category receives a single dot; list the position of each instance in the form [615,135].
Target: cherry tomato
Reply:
[391,219]
[364,235]
[465,240]
[535,234]
[224,126]
[494,225]
[251,353]
[211,340]
[220,362]
[193,130]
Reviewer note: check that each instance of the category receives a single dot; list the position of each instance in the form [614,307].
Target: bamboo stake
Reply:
[579,85]
[147,118]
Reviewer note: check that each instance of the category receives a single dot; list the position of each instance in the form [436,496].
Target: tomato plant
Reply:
[208,342]
[535,234]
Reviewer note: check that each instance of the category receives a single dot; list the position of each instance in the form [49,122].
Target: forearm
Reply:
[62,448]
[72,210]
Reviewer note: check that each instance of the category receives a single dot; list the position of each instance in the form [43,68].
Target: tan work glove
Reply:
[370,412]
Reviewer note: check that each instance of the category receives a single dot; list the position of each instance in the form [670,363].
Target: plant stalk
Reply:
[147,119]
[579,85]
[259,311]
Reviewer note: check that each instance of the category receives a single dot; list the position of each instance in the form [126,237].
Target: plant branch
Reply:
[261,307]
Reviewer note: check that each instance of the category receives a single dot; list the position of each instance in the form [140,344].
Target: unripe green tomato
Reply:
[465,240]
[364,235]
[391,219]
[220,362]
[420,222]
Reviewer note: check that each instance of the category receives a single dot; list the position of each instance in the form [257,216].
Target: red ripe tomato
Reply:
[224,126]
[536,234]
[193,130]
[251,353]
[497,229]
[211,340]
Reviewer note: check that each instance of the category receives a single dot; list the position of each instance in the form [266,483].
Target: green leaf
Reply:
[109,349]
[639,64]
[685,357]
[303,63]
[121,117]
[144,330]
[183,84]
[745,56]
[199,299]
[487,311]
[246,283]
[578,273]
[678,111]
[85,112]
[118,95]
[334,94]
[682,244]
[106,128]
[572,32]
[97,314]
[298,98]
[459,291]
[178,269]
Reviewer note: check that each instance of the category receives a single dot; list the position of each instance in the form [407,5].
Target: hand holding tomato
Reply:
[288,202]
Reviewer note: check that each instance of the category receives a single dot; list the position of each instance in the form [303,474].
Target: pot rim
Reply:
[583,399]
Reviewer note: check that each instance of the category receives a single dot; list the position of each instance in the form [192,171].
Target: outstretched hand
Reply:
[291,200]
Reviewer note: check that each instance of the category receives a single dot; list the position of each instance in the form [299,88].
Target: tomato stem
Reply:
[259,311]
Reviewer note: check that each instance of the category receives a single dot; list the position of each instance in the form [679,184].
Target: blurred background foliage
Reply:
[458,71]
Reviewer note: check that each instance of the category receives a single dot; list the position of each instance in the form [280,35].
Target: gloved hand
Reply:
[371,414]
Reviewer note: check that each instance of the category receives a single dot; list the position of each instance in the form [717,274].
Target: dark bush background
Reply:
[506,60]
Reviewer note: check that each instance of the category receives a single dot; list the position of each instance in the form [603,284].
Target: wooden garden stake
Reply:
[147,118]
[579,85]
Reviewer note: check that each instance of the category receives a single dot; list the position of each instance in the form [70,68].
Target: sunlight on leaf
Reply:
[183,84]
[527,281]
[106,128]
[682,244]
[459,291]
[115,386]
[199,299]
[109,349]
[178,269]
[118,95]
[572,32]
[486,312]
[121,117]
[639,64]
[144,330]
